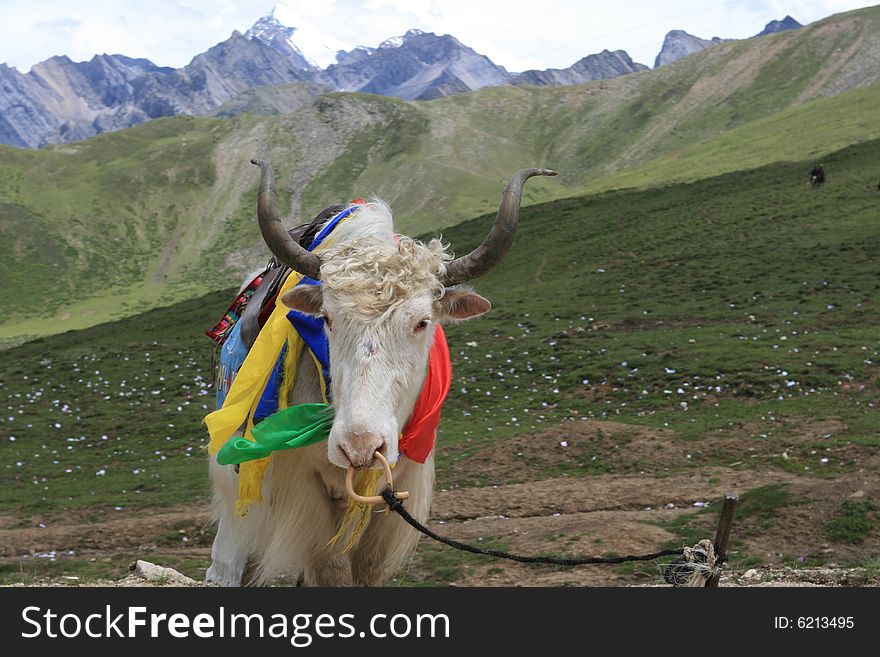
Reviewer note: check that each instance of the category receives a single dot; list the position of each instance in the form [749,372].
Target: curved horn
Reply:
[282,245]
[500,238]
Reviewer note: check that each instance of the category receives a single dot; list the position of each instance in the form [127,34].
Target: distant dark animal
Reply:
[817,177]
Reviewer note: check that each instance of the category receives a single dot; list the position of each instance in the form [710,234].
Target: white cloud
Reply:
[318,45]
[513,33]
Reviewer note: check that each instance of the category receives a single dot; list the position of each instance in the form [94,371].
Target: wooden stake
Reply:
[723,533]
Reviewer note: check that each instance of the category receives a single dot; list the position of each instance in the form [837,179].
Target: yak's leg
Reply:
[388,542]
[369,562]
[228,560]
[330,569]
[233,543]
[327,565]
[307,506]
[267,543]
[313,502]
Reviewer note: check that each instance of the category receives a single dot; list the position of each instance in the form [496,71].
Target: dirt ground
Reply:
[631,513]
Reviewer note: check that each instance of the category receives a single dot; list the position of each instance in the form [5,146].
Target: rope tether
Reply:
[396,504]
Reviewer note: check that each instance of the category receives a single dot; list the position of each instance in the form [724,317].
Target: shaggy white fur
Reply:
[368,277]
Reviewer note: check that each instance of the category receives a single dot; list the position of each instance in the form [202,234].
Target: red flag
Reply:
[420,432]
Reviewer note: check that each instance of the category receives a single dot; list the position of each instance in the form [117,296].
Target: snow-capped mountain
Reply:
[60,100]
[272,33]
[419,65]
[286,29]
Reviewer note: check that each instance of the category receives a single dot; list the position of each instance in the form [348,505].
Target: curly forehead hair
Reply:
[370,277]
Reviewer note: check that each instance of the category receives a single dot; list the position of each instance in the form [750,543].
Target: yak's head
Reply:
[381,299]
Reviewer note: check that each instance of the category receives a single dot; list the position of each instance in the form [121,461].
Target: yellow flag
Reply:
[253,375]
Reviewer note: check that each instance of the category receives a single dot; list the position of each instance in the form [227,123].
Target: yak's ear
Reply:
[306,299]
[461,304]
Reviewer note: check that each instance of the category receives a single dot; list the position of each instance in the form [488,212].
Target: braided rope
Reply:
[397,505]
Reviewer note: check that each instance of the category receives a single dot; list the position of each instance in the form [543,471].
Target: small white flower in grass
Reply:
[563,443]
[100,473]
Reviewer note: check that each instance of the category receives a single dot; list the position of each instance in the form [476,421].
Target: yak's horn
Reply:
[286,249]
[500,238]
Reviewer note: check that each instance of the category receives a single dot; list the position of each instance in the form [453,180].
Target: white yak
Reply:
[381,297]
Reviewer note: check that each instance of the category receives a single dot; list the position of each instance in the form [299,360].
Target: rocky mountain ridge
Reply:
[60,101]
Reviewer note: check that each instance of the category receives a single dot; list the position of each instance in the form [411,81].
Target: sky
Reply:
[516,34]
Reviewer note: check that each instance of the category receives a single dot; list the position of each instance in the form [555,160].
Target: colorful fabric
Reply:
[335,221]
[244,395]
[232,354]
[306,424]
[310,330]
[268,403]
[221,331]
[420,432]
[295,426]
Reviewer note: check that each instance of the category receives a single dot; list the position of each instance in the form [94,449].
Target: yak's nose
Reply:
[359,448]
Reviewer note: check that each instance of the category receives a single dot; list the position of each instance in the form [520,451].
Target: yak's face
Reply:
[377,367]
[380,322]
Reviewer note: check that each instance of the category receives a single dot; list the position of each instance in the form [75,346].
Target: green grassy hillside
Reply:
[103,228]
[745,300]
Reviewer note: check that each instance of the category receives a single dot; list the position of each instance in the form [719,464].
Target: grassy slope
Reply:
[749,282]
[745,299]
[101,216]
[160,212]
